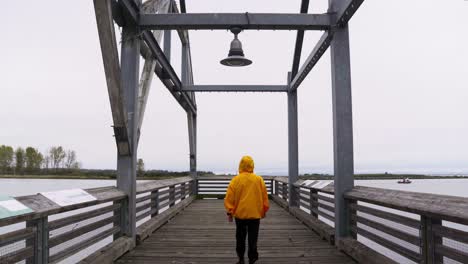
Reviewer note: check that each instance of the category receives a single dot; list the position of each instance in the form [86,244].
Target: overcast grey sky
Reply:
[409,63]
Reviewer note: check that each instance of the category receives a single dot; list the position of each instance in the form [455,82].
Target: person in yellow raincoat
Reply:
[247,201]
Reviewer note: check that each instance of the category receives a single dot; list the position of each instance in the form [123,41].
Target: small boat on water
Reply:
[404,181]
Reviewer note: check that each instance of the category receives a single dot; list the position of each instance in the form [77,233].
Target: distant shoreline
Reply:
[305,177]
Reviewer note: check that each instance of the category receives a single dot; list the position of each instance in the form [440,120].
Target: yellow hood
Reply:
[246,164]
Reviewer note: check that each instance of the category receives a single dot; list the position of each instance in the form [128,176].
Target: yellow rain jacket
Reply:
[246,196]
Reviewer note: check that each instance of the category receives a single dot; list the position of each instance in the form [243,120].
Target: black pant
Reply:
[244,226]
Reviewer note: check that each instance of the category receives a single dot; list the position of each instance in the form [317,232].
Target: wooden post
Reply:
[119,212]
[314,203]
[276,188]
[171,195]
[285,191]
[40,241]
[182,191]
[155,203]
[429,240]
[352,218]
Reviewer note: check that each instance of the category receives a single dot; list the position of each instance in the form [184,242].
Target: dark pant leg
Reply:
[241,234]
[253,227]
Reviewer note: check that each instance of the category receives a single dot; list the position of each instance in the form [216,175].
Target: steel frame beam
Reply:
[167,74]
[345,11]
[160,6]
[313,58]
[211,21]
[299,41]
[126,164]
[104,11]
[343,154]
[293,147]
[235,88]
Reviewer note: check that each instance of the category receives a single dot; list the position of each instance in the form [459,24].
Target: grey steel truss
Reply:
[143,25]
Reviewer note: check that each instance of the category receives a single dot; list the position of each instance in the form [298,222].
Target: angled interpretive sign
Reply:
[69,197]
[9,206]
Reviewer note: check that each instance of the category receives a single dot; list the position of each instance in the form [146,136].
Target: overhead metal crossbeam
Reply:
[313,58]
[242,20]
[235,88]
[167,74]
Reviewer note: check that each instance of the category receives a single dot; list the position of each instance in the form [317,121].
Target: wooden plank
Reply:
[403,220]
[62,238]
[452,253]
[82,216]
[325,231]
[82,245]
[146,229]
[111,252]
[201,234]
[18,255]
[361,253]
[447,232]
[390,245]
[445,207]
[17,235]
[43,207]
[415,240]
[217,178]
[155,185]
[280,201]
[151,212]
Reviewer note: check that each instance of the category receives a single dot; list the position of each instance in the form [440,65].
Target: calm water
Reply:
[19,187]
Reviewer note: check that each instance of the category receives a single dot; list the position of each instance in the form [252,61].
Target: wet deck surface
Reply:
[201,234]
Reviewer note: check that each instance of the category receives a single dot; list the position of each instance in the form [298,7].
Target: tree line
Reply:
[31,161]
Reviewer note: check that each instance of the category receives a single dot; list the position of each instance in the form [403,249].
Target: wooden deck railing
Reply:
[53,233]
[215,186]
[405,226]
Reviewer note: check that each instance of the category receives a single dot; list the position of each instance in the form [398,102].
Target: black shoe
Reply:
[241,261]
[252,261]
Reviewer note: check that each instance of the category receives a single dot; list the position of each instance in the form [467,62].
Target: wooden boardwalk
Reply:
[201,234]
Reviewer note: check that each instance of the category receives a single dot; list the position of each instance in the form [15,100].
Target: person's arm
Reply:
[266,203]
[229,199]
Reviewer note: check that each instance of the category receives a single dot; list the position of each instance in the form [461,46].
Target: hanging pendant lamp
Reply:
[236,54]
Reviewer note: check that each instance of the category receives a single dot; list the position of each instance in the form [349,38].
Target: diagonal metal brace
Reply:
[175,85]
[313,58]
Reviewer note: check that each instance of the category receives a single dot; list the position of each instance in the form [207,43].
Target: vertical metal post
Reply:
[191,120]
[342,124]
[126,165]
[293,162]
[167,44]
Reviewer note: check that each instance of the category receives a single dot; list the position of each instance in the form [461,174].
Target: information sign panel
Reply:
[9,206]
[69,197]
